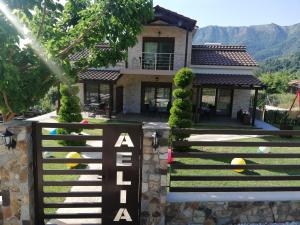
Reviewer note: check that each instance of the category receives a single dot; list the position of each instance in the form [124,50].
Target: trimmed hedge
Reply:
[69,112]
[181,111]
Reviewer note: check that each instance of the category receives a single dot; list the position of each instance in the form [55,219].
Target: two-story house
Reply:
[143,84]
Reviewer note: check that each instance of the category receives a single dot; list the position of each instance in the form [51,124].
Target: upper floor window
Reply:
[158,53]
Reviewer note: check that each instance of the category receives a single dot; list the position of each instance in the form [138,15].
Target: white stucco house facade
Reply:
[224,75]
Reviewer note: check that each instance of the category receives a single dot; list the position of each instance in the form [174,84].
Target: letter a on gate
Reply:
[124,139]
[122,215]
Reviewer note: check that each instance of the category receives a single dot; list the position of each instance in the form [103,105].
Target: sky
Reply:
[236,12]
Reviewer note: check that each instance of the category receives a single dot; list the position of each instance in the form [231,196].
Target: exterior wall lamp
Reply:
[7,139]
[155,141]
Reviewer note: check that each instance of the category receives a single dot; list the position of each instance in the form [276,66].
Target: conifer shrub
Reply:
[70,112]
[181,110]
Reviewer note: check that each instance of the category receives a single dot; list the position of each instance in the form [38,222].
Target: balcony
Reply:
[156,61]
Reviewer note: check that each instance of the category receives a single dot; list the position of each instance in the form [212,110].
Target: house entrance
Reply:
[106,191]
[217,101]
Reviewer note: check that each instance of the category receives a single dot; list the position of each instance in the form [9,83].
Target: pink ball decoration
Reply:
[170,157]
[84,122]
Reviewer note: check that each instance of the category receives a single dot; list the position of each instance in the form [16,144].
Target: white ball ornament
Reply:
[264,150]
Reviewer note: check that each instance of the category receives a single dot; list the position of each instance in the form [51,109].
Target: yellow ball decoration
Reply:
[73,155]
[238,161]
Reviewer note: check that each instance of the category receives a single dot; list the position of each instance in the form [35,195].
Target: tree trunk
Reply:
[8,117]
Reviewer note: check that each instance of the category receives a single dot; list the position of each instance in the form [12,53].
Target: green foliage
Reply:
[181,111]
[47,104]
[70,111]
[63,30]
[181,93]
[290,63]
[24,78]
[276,82]
[184,79]
[284,100]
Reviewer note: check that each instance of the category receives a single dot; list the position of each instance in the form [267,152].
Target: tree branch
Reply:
[65,52]
[6,102]
[42,22]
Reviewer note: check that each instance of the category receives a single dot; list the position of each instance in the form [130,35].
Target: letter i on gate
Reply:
[123,159]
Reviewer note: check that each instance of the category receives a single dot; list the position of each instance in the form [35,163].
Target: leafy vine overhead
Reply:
[63,30]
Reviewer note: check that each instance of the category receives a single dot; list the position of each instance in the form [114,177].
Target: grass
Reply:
[248,161]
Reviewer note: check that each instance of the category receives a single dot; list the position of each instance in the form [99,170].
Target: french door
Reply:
[217,101]
[158,53]
[156,97]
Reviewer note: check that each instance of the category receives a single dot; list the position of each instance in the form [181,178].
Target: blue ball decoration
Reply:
[53,132]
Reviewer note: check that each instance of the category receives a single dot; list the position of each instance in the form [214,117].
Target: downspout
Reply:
[186,48]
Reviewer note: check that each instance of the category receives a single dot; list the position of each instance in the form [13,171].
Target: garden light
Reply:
[7,139]
[155,140]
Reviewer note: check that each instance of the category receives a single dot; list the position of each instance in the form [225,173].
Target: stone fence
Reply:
[158,208]
[221,213]
[16,177]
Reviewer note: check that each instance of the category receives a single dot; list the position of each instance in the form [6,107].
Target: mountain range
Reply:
[262,41]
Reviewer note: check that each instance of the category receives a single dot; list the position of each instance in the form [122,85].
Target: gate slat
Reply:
[230,167]
[233,178]
[73,183]
[232,189]
[234,144]
[73,216]
[85,160]
[71,149]
[72,194]
[72,172]
[73,205]
[201,155]
[72,137]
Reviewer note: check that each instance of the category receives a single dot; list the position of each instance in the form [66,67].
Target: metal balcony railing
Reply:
[157,61]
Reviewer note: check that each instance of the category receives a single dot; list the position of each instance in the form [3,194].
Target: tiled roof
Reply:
[243,81]
[221,55]
[100,75]
[85,53]
[173,18]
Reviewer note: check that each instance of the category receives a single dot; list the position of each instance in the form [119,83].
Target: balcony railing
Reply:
[157,61]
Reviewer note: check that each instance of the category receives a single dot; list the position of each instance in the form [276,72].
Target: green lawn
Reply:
[248,161]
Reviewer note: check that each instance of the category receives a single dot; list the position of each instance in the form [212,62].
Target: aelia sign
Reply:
[123,160]
[121,167]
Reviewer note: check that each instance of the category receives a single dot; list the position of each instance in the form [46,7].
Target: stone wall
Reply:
[222,213]
[154,184]
[1,214]
[16,176]
[241,100]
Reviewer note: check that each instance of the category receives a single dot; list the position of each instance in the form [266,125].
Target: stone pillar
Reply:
[154,184]
[16,176]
